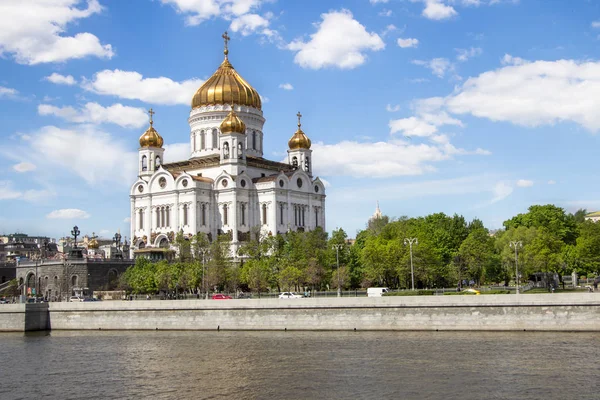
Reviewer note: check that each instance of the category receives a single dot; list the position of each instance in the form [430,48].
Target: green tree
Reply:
[550,217]
[477,252]
[587,250]
[256,274]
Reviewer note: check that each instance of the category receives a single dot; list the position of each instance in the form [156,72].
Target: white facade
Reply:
[225,186]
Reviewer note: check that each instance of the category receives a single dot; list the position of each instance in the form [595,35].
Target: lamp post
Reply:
[126,248]
[516,244]
[337,248]
[410,242]
[75,232]
[204,252]
[117,240]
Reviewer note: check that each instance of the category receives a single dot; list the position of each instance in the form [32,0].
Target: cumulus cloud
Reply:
[438,66]
[385,13]
[68,213]
[524,183]
[501,191]
[530,94]
[596,24]
[464,54]
[133,86]
[409,42]
[177,152]
[24,167]
[61,79]
[33,31]
[8,192]
[286,86]
[436,10]
[340,42]
[248,24]
[93,155]
[423,125]
[94,113]
[391,108]
[8,92]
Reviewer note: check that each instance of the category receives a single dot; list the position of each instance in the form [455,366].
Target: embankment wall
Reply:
[539,312]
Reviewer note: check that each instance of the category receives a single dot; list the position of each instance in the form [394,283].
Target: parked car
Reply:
[376,291]
[75,299]
[220,297]
[90,299]
[290,295]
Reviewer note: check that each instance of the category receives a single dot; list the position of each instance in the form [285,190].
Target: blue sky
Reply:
[475,107]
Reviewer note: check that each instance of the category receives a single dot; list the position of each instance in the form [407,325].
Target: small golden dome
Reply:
[226,86]
[232,124]
[299,140]
[93,243]
[151,138]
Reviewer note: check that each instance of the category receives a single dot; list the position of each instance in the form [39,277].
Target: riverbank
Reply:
[537,312]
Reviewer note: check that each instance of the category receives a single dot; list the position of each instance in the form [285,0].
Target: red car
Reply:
[220,297]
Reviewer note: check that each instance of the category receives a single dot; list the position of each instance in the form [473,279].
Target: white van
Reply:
[376,291]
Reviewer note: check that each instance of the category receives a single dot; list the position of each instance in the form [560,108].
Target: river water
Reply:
[299,365]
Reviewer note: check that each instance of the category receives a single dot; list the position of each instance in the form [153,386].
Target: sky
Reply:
[475,107]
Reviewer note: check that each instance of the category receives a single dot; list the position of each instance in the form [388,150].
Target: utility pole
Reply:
[516,244]
[337,248]
[410,242]
[203,252]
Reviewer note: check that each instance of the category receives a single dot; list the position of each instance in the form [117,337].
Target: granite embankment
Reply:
[536,312]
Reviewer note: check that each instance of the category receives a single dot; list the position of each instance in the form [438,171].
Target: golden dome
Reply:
[299,140]
[226,86]
[93,243]
[232,124]
[151,138]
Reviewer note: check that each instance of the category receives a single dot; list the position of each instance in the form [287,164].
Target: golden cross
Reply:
[151,113]
[226,38]
[94,235]
[299,116]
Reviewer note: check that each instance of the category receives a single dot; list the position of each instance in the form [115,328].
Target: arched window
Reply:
[194,141]
[203,214]
[281,213]
[202,140]
[74,280]
[163,244]
[158,217]
[307,164]
[185,214]
[141,219]
[264,214]
[168,217]
[144,163]
[162,217]
[254,140]
[295,162]
[240,150]
[215,139]
[316,217]
[226,150]
[225,221]
[157,162]
[243,214]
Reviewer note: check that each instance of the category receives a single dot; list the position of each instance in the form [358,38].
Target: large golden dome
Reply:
[232,124]
[151,138]
[226,86]
[299,140]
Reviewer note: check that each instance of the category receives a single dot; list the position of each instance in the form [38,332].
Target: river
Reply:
[299,365]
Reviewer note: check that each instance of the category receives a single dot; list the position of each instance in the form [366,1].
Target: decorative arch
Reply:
[159,239]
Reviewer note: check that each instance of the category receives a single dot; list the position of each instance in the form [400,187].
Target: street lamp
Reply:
[117,240]
[337,248]
[410,242]
[126,247]
[204,252]
[75,232]
[516,244]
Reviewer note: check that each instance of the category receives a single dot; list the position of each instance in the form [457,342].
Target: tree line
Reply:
[447,250]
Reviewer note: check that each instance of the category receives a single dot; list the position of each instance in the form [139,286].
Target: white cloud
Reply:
[133,86]
[125,116]
[465,54]
[127,220]
[198,11]
[596,24]
[388,29]
[32,31]
[438,66]
[68,213]
[34,195]
[24,167]
[378,1]
[340,41]
[7,92]
[177,152]
[524,183]
[391,108]
[551,182]
[385,13]
[436,10]
[510,60]
[7,192]
[501,191]
[286,86]
[248,24]
[61,79]
[532,94]
[94,155]
[409,42]
[412,126]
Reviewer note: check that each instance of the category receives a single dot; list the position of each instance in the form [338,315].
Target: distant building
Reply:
[377,214]
[593,216]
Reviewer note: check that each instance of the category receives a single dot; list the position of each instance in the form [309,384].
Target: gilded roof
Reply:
[232,124]
[151,138]
[299,140]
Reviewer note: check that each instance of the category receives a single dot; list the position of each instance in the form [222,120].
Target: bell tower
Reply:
[300,154]
[150,153]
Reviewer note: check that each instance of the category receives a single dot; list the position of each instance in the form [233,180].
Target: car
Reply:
[75,299]
[220,297]
[290,295]
[90,299]
[472,291]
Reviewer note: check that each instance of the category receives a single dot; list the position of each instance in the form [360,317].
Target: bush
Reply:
[420,292]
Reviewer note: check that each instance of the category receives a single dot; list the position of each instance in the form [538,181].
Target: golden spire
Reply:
[226,38]
[232,123]
[151,138]
[299,140]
